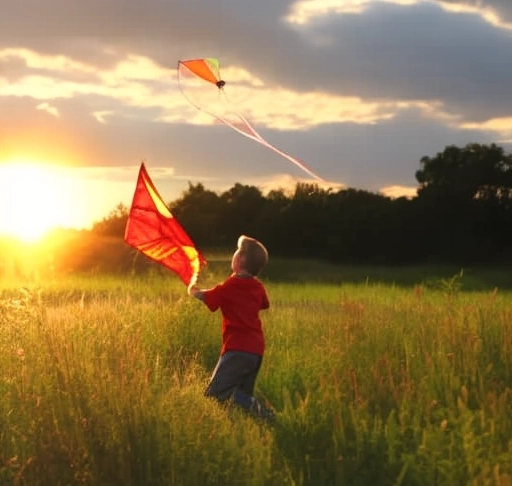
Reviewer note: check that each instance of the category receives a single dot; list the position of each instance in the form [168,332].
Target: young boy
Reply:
[240,298]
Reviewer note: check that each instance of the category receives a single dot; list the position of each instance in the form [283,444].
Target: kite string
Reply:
[249,131]
[254,135]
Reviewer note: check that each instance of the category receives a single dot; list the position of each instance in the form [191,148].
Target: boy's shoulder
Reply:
[242,281]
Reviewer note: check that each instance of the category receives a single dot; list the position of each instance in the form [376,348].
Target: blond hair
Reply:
[254,253]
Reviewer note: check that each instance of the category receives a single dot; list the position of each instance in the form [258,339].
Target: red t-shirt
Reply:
[240,299]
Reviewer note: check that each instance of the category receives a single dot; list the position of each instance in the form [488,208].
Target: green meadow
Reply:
[379,376]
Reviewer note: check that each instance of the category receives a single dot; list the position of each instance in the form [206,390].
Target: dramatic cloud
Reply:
[359,89]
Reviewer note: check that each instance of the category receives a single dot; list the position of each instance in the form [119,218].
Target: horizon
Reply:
[35,196]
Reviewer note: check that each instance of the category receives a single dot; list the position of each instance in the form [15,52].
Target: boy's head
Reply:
[250,257]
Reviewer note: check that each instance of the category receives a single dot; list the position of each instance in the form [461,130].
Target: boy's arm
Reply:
[196,292]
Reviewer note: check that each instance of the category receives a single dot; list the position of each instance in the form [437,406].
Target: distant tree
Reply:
[465,199]
[463,211]
[114,223]
[476,171]
[308,222]
[358,225]
[242,211]
[272,221]
[198,210]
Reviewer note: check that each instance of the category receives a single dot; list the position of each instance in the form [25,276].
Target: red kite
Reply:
[152,229]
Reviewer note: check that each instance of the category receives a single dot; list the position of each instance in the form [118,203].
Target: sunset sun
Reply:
[34,198]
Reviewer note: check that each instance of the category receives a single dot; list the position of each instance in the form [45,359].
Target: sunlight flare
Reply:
[34,198]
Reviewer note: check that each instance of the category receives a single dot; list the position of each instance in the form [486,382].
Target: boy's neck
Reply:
[243,274]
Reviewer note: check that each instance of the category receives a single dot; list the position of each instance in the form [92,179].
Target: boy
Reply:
[240,298]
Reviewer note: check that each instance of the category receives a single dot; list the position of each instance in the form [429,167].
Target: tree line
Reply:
[462,213]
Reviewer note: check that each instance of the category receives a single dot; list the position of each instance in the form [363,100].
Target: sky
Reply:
[360,90]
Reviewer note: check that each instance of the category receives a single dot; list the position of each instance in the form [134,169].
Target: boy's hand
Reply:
[195,292]
[192,289]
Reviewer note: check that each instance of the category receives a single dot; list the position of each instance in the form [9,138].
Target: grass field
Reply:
[378,376]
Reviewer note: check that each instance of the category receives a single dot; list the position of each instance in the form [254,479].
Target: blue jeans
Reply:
[235,371]
[234,377]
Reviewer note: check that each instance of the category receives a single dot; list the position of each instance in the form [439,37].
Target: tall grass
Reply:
[101,383]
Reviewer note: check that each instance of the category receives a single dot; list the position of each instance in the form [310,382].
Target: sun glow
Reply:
[34,198]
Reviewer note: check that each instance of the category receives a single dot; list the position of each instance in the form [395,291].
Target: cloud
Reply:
[417,52]
[396,52]
[137,87]
[501,126]
[302,12]
[394,192]
[367,156]
[49,109]
[498,12]
[360,90]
